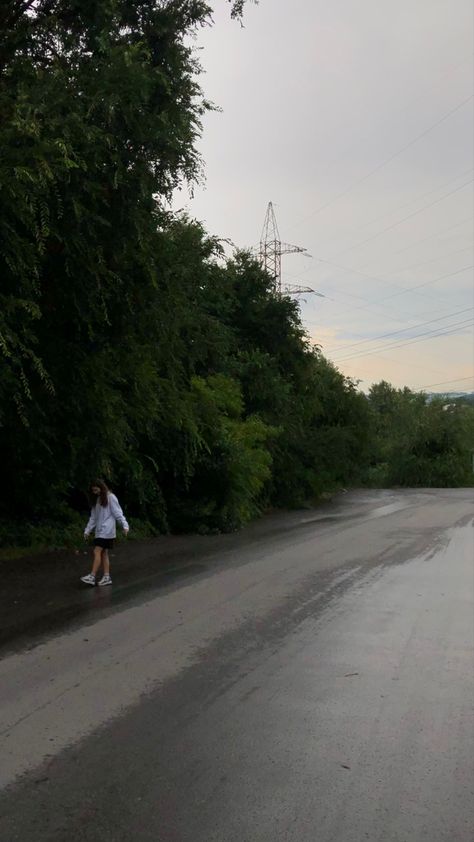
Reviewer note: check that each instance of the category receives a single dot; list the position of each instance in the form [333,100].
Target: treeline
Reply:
[131,348]
[420,440]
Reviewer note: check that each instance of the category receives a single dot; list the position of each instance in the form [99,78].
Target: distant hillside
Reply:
[453,397]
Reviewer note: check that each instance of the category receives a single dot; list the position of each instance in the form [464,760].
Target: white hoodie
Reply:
[103,518]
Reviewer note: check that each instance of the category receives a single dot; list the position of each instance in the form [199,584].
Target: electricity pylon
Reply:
[271,250]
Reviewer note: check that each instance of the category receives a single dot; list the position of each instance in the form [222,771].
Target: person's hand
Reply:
[86,536]
[125,532]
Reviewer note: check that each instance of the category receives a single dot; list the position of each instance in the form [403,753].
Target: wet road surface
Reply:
[309,679]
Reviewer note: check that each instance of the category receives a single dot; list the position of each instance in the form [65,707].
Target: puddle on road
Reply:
[387,510]
[88,603]
[381,511]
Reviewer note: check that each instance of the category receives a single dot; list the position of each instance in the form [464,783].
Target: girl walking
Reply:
[105,512]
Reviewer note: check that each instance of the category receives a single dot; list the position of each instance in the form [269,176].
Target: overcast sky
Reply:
[355,117]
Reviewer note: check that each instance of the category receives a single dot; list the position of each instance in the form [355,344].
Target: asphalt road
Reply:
[309,680]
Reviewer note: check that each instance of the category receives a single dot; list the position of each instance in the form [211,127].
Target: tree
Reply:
[100,113]
[129,346]
[419,442]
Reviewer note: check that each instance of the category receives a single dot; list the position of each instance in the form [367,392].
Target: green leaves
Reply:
[231,463]
[129,347]
[420,442]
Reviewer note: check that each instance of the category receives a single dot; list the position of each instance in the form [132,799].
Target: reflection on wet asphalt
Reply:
[313,683]
[42,595]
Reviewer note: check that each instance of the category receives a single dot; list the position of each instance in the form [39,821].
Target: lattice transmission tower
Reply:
[271,250]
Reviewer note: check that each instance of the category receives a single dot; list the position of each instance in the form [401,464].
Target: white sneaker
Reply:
[106,580]
[89,579]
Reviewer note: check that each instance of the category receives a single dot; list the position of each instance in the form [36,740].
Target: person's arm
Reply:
[117,513]
[91,523]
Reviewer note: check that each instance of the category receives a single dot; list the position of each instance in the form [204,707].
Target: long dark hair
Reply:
[103,496]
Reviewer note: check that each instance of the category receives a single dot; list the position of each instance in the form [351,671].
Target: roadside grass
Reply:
[18,540]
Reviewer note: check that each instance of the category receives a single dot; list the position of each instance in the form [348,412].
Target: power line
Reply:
[389,159]
[424,239]
[427,283]
[393,283]
[427,335]
[354,271]
[417,198]
[410,202]
[431,260]
[423,337]
[402,292]
[445,383]
[396,115]
[404,219]
[396,332]
[373,277]
[408,289]
[403,268]
[432,334]
[382,280]
[365,309]
[403,364]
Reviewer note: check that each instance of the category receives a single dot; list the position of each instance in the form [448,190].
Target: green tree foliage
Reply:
[232,461]
[100,113]
[129,347]
[420,441]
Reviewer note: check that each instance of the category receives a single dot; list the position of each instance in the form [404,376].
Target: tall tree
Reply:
[100,113]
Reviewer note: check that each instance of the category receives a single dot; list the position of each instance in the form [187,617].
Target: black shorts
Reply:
[105,543]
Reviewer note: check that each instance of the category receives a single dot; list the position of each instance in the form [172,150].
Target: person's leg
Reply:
[106,562]
[97,560]
[106,580]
